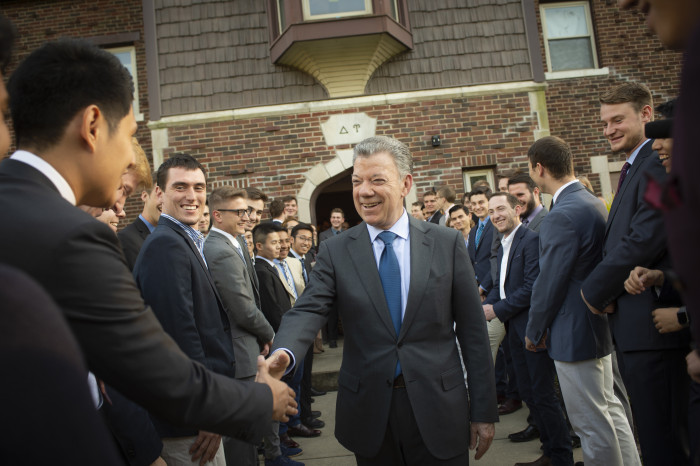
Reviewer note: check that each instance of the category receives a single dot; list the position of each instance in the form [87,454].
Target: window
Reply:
[472,176]
[327,9]
[127,56]
[568,36]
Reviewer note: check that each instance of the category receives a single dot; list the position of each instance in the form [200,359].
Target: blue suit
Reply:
[534,370]
[481,255]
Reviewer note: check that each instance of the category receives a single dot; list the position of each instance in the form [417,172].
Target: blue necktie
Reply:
[479,231]
[390,276]
[303,270]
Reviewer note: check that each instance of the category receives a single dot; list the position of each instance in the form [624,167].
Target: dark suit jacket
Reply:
[79,262]
[441,295]
[249,327]
[435,218]
[176,283]
[523,268]
[634,235]
[481,256]
[571,240]
[131,239]
[273,294]
[44,384]
[325,234]
[534,225]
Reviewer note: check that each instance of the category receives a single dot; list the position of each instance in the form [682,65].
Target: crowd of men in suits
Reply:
[174,326]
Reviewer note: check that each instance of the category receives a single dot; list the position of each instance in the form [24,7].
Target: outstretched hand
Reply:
[483,432]
[269,373]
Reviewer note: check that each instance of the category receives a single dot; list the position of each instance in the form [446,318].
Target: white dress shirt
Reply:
[506,243]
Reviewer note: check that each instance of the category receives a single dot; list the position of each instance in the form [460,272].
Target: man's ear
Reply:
[647,113]
[90,126]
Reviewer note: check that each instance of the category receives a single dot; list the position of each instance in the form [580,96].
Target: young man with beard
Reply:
[528,194]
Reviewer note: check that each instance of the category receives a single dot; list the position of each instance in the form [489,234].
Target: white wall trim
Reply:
[554,75]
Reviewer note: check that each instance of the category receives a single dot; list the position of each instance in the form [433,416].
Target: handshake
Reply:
[270,371]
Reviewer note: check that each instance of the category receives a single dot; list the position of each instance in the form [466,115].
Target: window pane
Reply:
[125,59]
[325,7]
[567,21]
[280,13]
[571,54]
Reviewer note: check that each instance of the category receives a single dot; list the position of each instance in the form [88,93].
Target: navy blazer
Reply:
[571,242]
[481,256]
[131,238]
[176,283]
[634,235]
[523,268]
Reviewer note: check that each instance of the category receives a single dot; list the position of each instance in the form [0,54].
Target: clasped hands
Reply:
[270,371]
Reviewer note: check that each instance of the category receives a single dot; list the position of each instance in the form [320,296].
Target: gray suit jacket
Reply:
[534,225]
[571,240]
[251,270]
[443,306]
[249,328]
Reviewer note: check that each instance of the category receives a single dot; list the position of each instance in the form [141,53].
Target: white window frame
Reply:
[468,173]
[591,34]
[309,17]
[134,75]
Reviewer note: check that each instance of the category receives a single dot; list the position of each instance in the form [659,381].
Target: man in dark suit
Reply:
[251,333]
[528,194]
[337,219]
[579,342]
[173,277]
[68,154]
[509,301]
[404,291]
[431,207]
[132,237]
[653,364]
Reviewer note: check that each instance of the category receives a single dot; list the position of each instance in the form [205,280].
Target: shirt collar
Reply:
[294,253]
[507,240]
[266,260]
[228,236]
[484,221]
[535,212]
[556,195]
[400,228]
[147,223]
[48,171]
[196,235]
[632,157]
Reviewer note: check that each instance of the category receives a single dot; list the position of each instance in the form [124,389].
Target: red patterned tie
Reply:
[623,174]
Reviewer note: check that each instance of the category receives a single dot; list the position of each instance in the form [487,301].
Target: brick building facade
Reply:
[475,73]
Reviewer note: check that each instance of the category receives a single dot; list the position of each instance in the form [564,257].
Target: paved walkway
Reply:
[326,451]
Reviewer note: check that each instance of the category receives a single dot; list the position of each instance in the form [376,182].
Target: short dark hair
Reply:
[419,204]
[457,207]
[224,194]
[276,208]
[57,81]
[185,161]
[636,94]
[479,183]
[523,178]
[289,199]
[301,226]
[448,193]
[264,229]
[553,154]
[512,200]
[7,41]
[666,109]
[430,192]
[483,190]
[338,210]
[255,194]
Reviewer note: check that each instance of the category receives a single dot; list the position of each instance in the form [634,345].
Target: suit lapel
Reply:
[421,257]
[641,155]
[512,253]
[142,228]
[360,252]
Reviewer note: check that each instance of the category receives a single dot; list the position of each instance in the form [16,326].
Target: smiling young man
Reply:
[337,219]
[635,235]
[399,286]
[481,239]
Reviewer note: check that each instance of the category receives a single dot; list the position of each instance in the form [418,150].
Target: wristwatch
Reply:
[682,316]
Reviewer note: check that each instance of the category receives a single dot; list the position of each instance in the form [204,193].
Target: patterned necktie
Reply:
[288,276]
[240,253]
[390,275]
[303,270]
[479,231]
[623,175]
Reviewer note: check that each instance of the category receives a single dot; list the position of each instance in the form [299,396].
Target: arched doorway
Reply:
[334,192]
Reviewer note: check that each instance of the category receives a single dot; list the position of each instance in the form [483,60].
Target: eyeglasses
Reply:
[305,239]
[239,212]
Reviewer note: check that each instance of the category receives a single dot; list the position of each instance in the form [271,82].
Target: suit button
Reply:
[400,344]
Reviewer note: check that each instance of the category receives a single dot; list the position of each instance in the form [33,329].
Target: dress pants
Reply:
[176,452]
[294,384]
[596,414]
[403,444]
[238,452]
[305,395]
[535,374]
[497,331]
[658,385]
